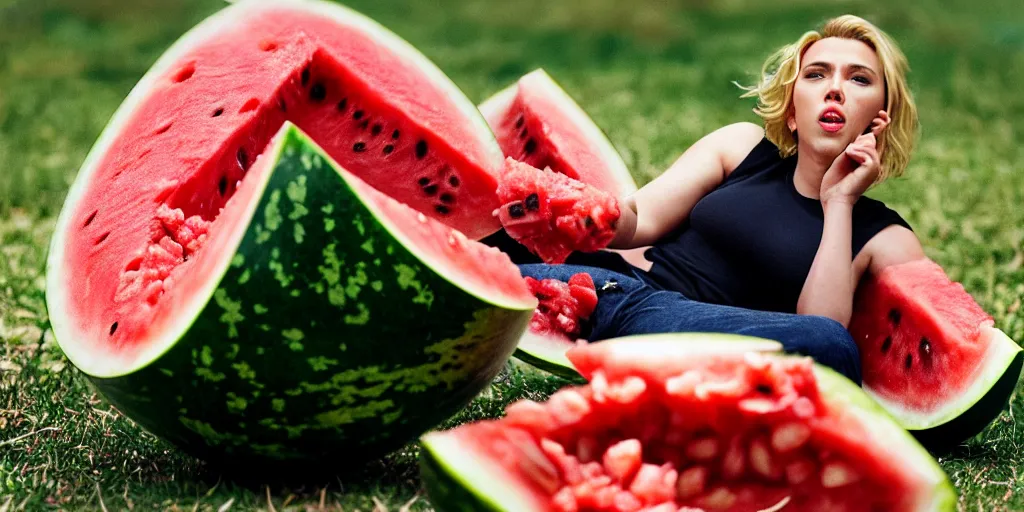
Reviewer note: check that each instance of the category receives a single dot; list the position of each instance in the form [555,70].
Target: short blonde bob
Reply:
[781,69]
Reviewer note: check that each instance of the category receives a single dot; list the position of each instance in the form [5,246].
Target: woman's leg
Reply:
[632,307]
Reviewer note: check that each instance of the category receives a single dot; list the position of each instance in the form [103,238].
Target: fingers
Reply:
[865,156]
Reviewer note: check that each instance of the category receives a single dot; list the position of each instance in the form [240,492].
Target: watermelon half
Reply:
[930,355]
[226,273]
[680,422]
[537,122]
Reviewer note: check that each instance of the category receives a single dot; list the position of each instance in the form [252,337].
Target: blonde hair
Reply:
[781,69]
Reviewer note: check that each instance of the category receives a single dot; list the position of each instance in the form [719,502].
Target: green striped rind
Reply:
[325,337]
[936,493]
[969,414]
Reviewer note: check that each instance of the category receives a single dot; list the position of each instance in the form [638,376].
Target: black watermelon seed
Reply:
[342,104]
[531,145]
[281,104]
[359,147]
[909,362]
[925,346]
[376,129]
[113,328]
[102,238]
[218,112]
[519,122]
[764,389]
[430,189]
[394,135]
[533,202]
[363,125]
[318,92]
[222,185]
[453,180]
[90,219]
[305,76]
[516,210]
[388,149]
[357,115]
[421,149]
[588,221]
[894,316]
[442,209]
[886,344]
[522,134]
[424,181]
[243,159]
[447,198]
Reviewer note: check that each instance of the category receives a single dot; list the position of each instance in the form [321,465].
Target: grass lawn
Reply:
[655,74]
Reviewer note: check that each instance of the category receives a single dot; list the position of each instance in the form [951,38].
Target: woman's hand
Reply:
[856,168]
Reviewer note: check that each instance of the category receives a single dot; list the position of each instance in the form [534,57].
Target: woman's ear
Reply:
[791,122]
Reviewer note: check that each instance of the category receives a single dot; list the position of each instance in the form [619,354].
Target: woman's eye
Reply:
[813,74]
[862,80]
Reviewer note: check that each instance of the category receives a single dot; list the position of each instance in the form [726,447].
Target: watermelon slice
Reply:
[563,308]
[930,355]
[231,291]
[552,214]
[537,122]
[681,422]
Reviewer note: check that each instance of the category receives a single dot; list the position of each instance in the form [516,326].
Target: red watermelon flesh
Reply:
[179,149]
[552,214]
[562,307]
[921,335]
[732,431]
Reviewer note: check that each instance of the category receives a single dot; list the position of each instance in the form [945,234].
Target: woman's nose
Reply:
[835,90]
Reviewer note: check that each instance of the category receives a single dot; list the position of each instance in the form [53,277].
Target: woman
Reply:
[763,231]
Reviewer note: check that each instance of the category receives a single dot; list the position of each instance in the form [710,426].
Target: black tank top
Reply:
[751,241]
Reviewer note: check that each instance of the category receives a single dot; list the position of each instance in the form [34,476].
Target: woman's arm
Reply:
[658,207]
[828,290]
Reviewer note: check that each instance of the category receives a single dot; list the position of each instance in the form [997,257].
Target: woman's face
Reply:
[838,92]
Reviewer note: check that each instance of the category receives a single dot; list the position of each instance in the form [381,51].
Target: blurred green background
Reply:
[655,75]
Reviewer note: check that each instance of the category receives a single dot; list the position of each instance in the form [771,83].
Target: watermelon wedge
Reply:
[930,355]
[681,422]
[537,122]
[226,269]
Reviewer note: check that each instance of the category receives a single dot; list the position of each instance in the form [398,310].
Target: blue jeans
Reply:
[636,307]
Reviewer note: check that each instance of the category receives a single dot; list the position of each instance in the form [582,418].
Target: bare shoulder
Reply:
[892,246]
[735,141]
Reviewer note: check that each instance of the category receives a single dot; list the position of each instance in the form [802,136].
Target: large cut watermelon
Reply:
[249,298]
[684,423]
[930,355]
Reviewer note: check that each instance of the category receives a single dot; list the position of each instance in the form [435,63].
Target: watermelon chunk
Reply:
[562,306]
[227,263]
[552,214]
[930,354]
[682,422]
